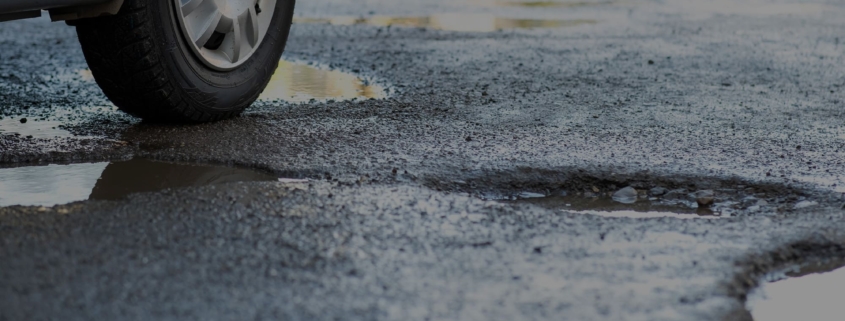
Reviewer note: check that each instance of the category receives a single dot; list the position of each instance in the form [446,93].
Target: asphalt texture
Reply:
[396,223]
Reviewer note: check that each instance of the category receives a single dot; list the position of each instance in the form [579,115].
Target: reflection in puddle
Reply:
[606,206]
[48,185]
[34,128]
[450,22]
[296,82]
[813,292]
[59,184]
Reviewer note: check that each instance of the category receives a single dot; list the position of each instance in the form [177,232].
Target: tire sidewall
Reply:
[211,90]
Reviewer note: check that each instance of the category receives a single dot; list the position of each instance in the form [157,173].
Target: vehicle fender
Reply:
[87,11]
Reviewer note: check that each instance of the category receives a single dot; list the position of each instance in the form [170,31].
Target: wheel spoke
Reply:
[208,29]
[224,33]
[189,6]
[238,40]
[252,27]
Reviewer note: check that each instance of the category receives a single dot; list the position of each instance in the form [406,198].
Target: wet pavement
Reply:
[462,173]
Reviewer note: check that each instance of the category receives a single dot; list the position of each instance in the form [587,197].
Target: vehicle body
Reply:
[174,60]
[58,9]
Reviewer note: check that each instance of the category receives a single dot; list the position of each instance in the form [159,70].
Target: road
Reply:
[392,207]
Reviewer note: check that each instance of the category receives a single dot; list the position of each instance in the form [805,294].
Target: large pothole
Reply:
[647,195]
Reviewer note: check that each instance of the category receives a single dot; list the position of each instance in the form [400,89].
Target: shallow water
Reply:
[812,292]
[607,207]
[59,184]
[299,82]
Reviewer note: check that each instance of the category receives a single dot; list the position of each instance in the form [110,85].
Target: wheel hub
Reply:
[224,33]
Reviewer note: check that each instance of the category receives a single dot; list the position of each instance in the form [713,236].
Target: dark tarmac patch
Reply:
[801,291]
[58,184]
[299,82]
[450,22]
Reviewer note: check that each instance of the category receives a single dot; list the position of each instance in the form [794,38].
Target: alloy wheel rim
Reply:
[224,33]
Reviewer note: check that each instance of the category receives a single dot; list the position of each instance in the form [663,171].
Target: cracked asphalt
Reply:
[396,221]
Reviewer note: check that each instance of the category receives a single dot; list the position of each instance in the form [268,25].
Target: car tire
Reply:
[145,64]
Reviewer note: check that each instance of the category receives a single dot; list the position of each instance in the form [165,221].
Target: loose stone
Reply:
[657,191]
[704,197]
[626,195]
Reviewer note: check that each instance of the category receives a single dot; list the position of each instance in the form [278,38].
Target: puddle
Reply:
[298,82]
[812,292]
[32,128]
[450,22]
[292,81]
[606,206]
[751,8]
[549,4]
[59,184]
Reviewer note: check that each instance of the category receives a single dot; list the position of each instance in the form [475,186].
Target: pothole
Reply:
[813,291]
[547,4]
[636,195]
[299,82]
[450,22]
[59,184]
[663,202]
[605,205]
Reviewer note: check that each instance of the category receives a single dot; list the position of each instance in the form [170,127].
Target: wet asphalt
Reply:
[396,221]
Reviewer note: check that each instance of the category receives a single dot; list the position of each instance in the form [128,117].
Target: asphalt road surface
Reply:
[400,215]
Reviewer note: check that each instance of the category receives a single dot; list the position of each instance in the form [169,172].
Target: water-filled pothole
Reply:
[810,291]
[450,22]
[299,82]
[292,81]
[546,4]
[606,206]
[59,184]
[643,202]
